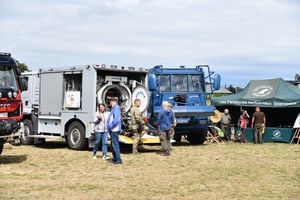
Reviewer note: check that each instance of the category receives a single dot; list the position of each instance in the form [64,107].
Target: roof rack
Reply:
[5,54]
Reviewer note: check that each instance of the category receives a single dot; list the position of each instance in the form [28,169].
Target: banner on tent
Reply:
[257,103]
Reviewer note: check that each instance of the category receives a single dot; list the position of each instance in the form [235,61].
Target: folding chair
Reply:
[214,135]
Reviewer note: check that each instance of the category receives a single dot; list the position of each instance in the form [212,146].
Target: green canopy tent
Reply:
[273,93]
[280,101]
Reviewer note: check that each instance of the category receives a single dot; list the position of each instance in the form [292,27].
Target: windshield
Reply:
[164,81]
[7,78]
[196,83]
[179,83]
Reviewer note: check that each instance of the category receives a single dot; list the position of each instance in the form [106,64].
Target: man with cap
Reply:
[137,126]
[114,127]
[165,120]
[172,130]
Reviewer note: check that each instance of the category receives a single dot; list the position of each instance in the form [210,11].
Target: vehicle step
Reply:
[45,136]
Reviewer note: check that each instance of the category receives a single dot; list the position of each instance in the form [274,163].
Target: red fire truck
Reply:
[11,109]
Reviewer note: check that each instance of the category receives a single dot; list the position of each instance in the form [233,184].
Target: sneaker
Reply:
[94,157]
[105,157]
[117,163]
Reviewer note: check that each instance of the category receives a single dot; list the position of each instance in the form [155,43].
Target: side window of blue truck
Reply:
[164,81]
[196,83]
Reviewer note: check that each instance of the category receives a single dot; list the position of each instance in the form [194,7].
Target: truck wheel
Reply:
[177,138]
[76,136]
[197,137]
[1,145]
[28,130]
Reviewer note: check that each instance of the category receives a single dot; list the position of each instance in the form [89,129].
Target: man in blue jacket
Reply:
[165,120]
[114,127]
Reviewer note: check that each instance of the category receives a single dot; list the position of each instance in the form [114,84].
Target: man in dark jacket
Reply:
[165,121]
[259,122]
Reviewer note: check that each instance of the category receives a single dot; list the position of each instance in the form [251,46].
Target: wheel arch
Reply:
[67,125]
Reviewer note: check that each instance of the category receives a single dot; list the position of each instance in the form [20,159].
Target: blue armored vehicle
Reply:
[185,89]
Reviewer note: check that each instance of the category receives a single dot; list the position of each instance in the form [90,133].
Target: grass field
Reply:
[215,171]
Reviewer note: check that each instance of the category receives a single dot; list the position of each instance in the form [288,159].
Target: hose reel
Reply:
[120,90]
[125,96]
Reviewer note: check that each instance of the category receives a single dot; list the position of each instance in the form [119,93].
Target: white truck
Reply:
[61,102]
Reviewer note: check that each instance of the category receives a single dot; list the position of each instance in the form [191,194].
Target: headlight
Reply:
[15,94]
[9,94]
[0,94]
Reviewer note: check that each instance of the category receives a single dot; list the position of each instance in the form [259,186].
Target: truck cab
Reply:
[185,89]
[11,111]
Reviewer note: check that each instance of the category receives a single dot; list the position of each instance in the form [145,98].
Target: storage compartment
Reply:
[72,91]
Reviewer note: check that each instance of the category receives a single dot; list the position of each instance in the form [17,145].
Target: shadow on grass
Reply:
[52,145]
[127,149]
[185,143]
[5,159]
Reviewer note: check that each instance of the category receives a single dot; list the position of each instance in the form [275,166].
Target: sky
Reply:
[240,40]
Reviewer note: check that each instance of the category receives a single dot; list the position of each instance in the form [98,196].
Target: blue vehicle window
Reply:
[179,83]
[164,83]
[196,83]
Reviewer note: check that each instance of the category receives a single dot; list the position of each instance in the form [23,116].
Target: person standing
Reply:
[101,131]
[259,122]
[114,127]
[165,120]
[225,121]
[172,130]
[137,127]
[244,120]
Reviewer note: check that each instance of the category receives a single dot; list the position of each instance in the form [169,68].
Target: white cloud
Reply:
[234,37]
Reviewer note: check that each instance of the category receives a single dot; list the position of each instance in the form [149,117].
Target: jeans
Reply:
[164,137]
[258,134]
[243,135]
[224,128]
[101,136]
[115,147]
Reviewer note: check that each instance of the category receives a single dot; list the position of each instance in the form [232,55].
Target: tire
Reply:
[177,138]
[76,136]
[197,137]
[1,145]
[28,130]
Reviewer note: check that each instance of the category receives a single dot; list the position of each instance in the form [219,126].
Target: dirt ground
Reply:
[214,171]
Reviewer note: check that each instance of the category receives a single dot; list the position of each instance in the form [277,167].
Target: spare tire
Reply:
[197,137]
[142,93]
[121,91]
[1,145]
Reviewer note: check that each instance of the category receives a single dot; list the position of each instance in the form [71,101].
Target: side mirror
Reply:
[217,82]
[23,82]
[152,85]
[18,71]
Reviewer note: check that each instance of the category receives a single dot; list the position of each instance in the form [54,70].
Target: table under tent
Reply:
[279,100]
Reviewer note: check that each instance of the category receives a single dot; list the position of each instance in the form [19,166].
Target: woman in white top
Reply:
[101,131]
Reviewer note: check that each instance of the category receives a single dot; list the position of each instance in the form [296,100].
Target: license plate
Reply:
[3,115]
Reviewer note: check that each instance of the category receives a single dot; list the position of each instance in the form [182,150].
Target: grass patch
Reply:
[224,171]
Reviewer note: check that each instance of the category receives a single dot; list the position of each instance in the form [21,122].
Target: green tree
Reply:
[231,89]
[22,66]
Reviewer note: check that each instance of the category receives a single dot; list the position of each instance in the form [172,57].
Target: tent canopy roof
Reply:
[264,93]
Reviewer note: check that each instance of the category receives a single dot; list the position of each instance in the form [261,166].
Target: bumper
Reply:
[8,127]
